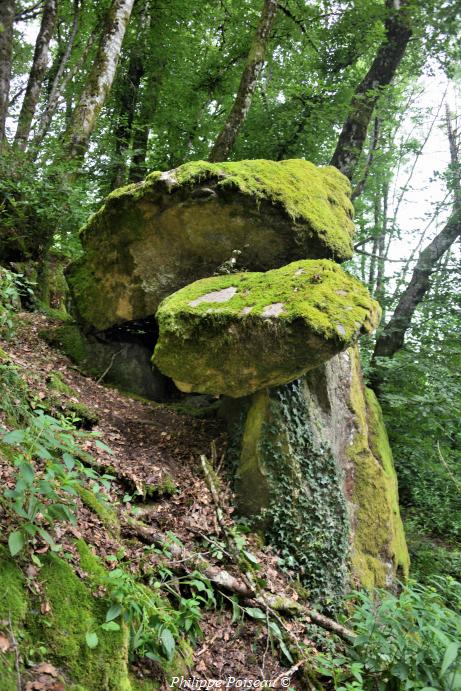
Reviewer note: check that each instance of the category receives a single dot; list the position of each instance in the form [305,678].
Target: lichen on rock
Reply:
[150,239]
[240,333]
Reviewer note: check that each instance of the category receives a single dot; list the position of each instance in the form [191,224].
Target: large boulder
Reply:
[313,469]
[152,238]
[239,333]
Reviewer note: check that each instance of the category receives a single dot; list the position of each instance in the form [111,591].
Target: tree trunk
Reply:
[58,83]
[37,73]
[143,122]
[392,336]
[255,60]
[126,112]
[7,8]
[100,80]
[383,68]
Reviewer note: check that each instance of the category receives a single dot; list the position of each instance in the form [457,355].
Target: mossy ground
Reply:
[61,633]
[379,547]
[219,335]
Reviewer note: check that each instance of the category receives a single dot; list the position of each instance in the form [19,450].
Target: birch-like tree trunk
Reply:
[37,73]
[255,60]
[383,68]
[7,8]
[58,85]
[100,80]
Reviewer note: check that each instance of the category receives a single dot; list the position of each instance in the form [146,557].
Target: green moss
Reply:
[218,335]
[379,548]
[13,598]
[152,238]
[318,196]
[14,607]
[74,613]
[70,340]
[57,383]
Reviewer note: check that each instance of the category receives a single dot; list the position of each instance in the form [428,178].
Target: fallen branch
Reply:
[225,580]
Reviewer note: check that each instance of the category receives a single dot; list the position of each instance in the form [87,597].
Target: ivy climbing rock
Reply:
[239,333]
[152,238]
[314,470]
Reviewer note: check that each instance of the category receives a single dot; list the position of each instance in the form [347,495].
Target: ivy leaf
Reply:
[92,640]
[168,643]
[15,542]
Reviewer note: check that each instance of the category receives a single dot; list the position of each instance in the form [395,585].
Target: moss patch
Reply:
[239,333]
[74,613]
[379,548]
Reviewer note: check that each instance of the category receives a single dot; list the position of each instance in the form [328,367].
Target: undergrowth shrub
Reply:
[409,641]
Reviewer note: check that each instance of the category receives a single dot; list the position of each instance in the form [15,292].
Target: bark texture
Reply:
[383,68]
[255,60]
[37,73]
[6,50]
[100,79]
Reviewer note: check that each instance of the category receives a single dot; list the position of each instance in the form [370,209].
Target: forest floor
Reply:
[154,445]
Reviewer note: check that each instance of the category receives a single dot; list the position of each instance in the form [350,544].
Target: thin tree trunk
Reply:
[100,80]
[392,337]
[255,60]
[37,73]
[7,8]
[126,112]
[383,68]
[141,126]
[58,83]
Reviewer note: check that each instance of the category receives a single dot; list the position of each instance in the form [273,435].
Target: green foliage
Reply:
[421,393]
[48,477]
[409,641]
[11,285]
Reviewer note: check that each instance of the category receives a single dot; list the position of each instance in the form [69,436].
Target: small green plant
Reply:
[157,615]
[48,474]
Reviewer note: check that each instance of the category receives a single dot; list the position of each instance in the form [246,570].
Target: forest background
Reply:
[94,95]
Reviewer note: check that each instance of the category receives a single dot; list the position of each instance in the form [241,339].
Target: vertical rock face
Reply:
[314,468]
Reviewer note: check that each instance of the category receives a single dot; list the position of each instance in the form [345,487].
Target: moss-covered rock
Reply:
[292,486]
[240,333]
[305,451]
[379,548]
[152,238]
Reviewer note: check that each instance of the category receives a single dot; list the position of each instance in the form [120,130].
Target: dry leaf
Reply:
[5,644]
